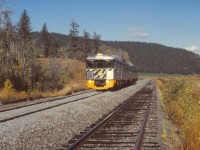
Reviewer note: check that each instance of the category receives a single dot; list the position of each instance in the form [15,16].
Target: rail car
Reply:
[105,72]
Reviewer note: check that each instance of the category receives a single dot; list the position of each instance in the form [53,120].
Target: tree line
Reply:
[19,50]
[75,46]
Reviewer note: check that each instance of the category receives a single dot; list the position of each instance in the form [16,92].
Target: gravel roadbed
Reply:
[28,109]
[52,128]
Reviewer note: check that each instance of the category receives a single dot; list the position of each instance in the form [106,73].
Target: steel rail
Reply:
[45,101]
[84,137]
[142,129]
[81,140]
[25,114]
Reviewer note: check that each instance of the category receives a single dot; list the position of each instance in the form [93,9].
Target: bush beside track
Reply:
[54,77]
[181,99]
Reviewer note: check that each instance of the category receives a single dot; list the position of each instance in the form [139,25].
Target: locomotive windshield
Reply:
[90,64]
[100,64]
[109,64]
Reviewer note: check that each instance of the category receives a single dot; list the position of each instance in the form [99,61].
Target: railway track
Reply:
[19,105]
[126,127]
[17,112]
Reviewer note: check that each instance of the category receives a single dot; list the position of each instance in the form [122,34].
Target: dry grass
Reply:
[73,86]
[8,94]
[181,97]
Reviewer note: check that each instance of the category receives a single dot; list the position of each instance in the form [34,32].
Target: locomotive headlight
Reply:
[100,73]
[90,81]
[107,81]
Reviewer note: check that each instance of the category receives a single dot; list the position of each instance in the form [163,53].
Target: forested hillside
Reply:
[156,58]
[149,57]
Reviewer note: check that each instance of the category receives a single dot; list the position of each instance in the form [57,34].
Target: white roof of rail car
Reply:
[105,57]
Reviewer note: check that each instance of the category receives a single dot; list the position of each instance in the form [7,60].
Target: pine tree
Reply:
[96,42]
[87,46]
[25,38]
[24,27]
[73,46]
[24,48]
[45,41]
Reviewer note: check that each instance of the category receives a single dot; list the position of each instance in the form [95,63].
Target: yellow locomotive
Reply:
[104,72]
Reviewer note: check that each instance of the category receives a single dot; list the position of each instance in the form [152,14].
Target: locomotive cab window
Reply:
[90,64]
[109,64]
[99,64]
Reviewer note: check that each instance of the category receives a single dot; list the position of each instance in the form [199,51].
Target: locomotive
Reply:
[105,72]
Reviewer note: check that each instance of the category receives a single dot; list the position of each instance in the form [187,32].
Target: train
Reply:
[109,71]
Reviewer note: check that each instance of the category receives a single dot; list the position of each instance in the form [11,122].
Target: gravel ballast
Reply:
[52,128]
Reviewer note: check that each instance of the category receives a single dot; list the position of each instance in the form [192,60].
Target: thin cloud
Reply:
[138,33]
[192,48]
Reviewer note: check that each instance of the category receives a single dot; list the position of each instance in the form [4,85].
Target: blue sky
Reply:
[174,23]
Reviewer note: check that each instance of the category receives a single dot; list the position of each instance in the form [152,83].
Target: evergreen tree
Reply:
[24,27]
[45,41]
[24,48]
[87,46]
[96,42]
[73,46]
[25,38]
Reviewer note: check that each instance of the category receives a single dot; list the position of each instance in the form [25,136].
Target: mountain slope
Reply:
[156,58]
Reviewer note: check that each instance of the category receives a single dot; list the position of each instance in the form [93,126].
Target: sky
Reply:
[174,23]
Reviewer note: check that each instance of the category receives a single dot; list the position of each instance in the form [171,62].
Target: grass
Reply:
[181,98]
[168,76]
[73,86]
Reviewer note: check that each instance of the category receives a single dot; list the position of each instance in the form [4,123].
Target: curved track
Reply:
[124,128]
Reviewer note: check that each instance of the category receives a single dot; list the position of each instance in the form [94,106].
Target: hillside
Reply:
[156,58]
[150,57]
